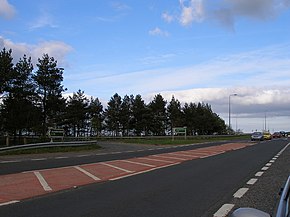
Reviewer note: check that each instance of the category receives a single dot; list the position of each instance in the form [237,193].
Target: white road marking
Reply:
[9,202]
[42,181]
[87,173]
[182,155]
[224,210]
[141,172]
[272,161]
[142,164]
[83,155]
[265,168]
[165,161]
[38,159]
[61,157]
[274,158]
[10,161]
[240,193]
[252,181]
[175,158]
[259,174]
[118,168]
[268,164]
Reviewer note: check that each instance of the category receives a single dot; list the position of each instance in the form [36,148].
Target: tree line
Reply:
[32,101]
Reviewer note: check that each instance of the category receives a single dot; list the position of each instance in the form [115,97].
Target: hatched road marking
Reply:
[42,181]
[87,173]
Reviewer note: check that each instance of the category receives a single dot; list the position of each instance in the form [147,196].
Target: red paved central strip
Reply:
[20,186]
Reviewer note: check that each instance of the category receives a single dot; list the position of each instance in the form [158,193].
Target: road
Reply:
[196,187]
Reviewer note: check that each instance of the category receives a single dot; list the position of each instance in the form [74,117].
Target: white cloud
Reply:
[192,12]
[158,32]
[45,20]
[167,17]
[226,12]
[56,49]
[6,10]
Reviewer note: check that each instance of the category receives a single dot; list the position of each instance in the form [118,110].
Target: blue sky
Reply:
[196,50]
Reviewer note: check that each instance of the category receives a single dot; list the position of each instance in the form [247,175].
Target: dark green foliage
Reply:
[31,101]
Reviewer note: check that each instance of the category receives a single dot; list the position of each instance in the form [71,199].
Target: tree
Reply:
[175,114]
[113,112]
[190,115]
[158,115]
[126,114]
[76,112]
[96,115]
[139,115]
[48,79]
[6,70]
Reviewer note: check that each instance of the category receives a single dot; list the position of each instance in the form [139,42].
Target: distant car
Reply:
[283,133]
[276,135]
[267,136]
[257,136]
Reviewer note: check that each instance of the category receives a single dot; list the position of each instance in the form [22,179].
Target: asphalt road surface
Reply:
[195,188]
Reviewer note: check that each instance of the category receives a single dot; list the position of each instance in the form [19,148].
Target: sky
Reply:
[195,50]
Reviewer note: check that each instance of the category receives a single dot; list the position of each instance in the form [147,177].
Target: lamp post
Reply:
[230,108]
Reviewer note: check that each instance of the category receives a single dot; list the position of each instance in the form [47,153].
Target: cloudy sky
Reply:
[196,50]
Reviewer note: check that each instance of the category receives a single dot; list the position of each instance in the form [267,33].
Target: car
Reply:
[283,209]
[276,135]
[267,135]
[257,136]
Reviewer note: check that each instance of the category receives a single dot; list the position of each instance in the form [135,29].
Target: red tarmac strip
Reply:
[20,186]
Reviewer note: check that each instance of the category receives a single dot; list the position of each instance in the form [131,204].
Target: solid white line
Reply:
[240,193]
[224,210]
[265,168]
[87,173]
[42,181]
[9,202]
[118,168]
[141,172]
[165,161]
[252,181]
[259,174]
[142,164]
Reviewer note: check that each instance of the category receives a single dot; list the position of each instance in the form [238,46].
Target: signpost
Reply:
[179,131]
[55,134]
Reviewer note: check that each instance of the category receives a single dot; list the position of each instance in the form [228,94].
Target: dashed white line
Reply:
[272,161]
[265,168]
[268,164]
[38,159]
[60,157]
[259,174]
[240,193]
[10,161]
[224,210]
[42,181]
[118,168]
[87,173]
[252,181]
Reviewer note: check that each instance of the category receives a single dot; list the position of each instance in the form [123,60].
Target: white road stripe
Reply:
[265,168]
[165,161]
[259,174]
[118,168]
[39,159]
[42,181]
[87,173]
[268,164]
[175,158]
[9,202]
[142,164]
[272,161]
[240,193]
[61,157]
[10,161]
[252,181]
[224,210]
[182,155]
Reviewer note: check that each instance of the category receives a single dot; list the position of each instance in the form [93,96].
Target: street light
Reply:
[230,108]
